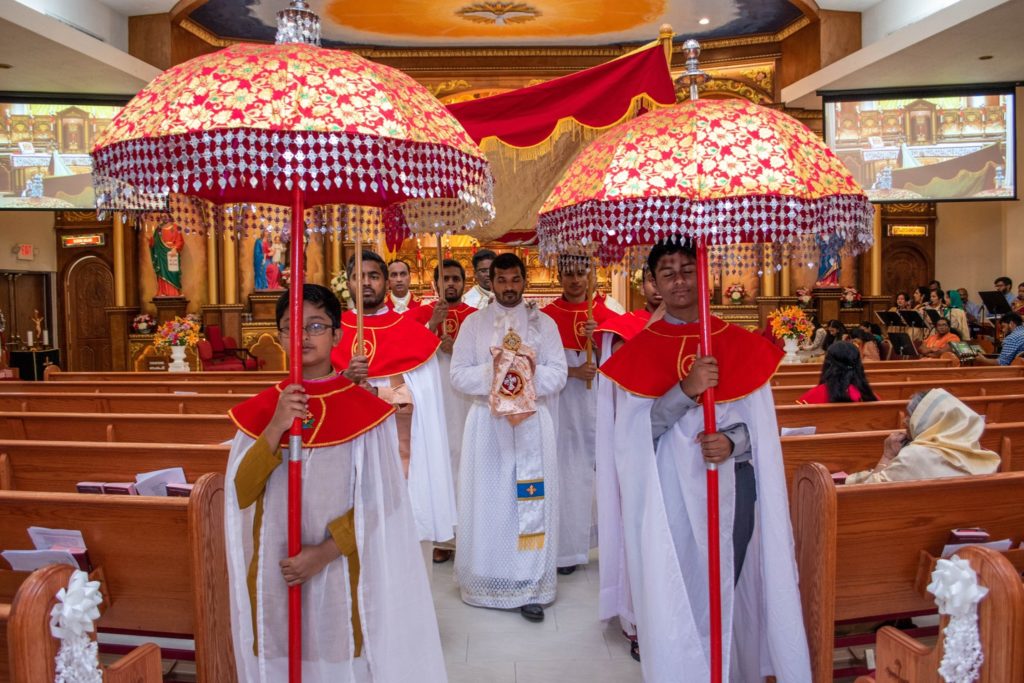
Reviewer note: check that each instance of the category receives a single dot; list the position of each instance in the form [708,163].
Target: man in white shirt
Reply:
[400,299]
[481,295]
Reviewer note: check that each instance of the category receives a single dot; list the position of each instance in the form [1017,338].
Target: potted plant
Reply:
[177,335]
[735,293]
[803,295]
[791,325]
[143,323]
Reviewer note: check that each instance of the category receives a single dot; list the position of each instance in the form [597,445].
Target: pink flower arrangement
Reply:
[143,323]
[735,292]
[803,295]
[177,332]
[850,295]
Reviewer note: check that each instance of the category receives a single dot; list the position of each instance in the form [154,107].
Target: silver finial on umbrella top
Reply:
[298,24]
[693,76]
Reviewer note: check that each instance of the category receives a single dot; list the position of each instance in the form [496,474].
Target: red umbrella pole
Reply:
[714,562]
[296,323]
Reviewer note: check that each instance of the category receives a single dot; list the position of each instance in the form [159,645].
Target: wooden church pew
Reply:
[891,391]
[56,466]
[32,648]
[69,402]
[858,547]
[855,417]
[889,364]
[136,428]
[855,451]
[155,387]
[205,376]
[898,656]
[877,375]
[162,560]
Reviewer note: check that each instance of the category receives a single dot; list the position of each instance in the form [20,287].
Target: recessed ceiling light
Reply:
[984,57]
[5,66]
[704,21]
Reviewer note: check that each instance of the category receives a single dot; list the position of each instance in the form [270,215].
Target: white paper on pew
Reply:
[799,431]
[186,393]
[949,550]
[44,539]
[155,483]
[30,560]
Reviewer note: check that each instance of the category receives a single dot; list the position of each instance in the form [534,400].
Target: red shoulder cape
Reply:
[570,319]
[626,326]
[662,354]
[393,343]
[457,315]
[339,411]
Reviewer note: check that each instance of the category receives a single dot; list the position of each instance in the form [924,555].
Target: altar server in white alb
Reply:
[367,612]
[660,455]
[508,357]
[577,407]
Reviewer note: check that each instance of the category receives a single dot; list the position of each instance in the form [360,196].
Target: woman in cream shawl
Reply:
[943,442]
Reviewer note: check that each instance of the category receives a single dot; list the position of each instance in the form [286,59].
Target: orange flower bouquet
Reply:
[177,332]
[790,323]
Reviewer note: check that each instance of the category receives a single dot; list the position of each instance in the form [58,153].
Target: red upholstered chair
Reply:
[216,339]
[210,362]
[885,350]
[249,361]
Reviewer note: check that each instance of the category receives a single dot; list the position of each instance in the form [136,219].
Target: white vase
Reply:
[790,345]
[178,363]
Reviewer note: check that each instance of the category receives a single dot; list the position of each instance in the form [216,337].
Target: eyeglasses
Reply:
[312,329]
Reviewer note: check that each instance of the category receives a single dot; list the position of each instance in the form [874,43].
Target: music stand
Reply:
[890,318]
[995,304]
[902,345]
[933,315]
[913,319]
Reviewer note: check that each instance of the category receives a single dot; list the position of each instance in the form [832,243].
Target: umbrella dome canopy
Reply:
[715,171]
[249,122]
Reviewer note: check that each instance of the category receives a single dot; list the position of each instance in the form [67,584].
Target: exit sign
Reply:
[25,252]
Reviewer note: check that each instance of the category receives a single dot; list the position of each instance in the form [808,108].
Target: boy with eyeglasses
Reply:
[358,534]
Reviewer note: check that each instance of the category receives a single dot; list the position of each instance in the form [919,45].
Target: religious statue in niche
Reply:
[829,260]
[37,321]
[268,262]
[165,247]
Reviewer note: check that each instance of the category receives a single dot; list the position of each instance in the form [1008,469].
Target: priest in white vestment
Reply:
[480,294]
[660,454]
[508,357]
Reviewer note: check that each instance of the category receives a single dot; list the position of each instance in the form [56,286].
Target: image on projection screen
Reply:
[44,154]
[927,149]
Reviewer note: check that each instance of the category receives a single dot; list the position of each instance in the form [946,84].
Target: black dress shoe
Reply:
[532,612]
[634,650]
[442,555]
[565,571]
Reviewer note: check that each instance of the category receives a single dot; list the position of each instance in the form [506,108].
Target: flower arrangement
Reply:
[735,292]
[195,318]
[143,323]
[177,332]
[851,297]
[790,323]
[803,295]
[339,284]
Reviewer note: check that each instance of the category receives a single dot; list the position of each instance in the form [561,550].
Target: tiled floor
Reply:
[496,646]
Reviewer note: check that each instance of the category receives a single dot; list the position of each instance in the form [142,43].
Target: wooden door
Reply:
[905,265]
[88,291]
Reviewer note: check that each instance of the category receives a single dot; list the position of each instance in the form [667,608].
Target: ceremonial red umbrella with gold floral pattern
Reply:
[716,173]
[294,124]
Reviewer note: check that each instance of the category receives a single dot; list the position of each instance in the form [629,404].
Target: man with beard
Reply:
[481,295]
[400,299]
[398,363]
[445,318]
[577,406]
[508,357]
[660,455]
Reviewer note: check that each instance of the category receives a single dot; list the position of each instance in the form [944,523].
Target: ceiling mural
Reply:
[453,23]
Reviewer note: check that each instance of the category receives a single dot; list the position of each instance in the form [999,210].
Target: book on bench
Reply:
[52,546]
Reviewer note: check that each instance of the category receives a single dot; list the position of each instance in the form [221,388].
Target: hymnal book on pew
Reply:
[839,477]
[119,488]
[179,490]
[89,487]
[968,535]
[52,546]
[155,483]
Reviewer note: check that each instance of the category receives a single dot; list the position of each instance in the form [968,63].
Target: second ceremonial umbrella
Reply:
[715,173]
[297,125]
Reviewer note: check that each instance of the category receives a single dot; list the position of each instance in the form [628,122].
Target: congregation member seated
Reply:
[954,310]
[865,343]
[834,331]
[873,329]
[902,302]
[1018,304]
[842,378]
[942,440]
[815,345]
[919,298]
[937,343]
[1013,341]
[975,311]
